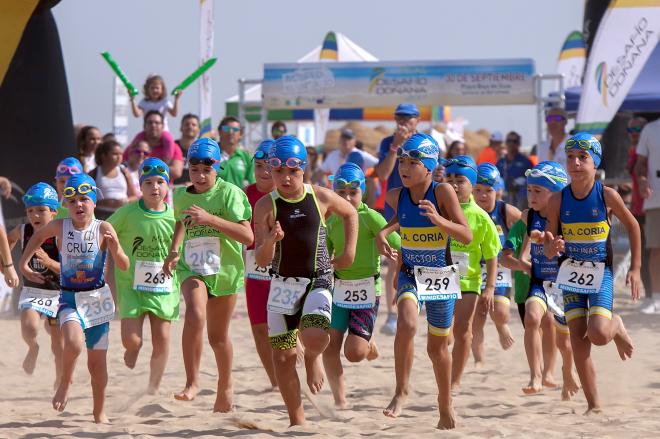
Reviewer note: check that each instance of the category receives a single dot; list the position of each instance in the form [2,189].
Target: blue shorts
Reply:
[580,305]
[96,337]
[358,322]
[537,294]
[439,313]
[502,295]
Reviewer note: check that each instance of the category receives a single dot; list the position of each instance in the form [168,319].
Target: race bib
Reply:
[554,297]
[285,294]
[149,278]
[95,307]
[461,259]
[355,294]
[437,283]
[252,270]
[45,302]
[202,255]
[582,277]
[503,279]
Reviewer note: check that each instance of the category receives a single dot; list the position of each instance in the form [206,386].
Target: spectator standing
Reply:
[136,155]
[494,151]
[336,158]
[113,181]
[237,165]
[553,147]
[88,139]
[512,168]
[278,130]
[189,133]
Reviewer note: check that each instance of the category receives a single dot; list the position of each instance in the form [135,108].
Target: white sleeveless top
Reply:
[114,188]
[82,260]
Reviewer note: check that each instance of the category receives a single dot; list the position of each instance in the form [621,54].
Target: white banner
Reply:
[205,53]
[572,59]
[626,36]
[120,112]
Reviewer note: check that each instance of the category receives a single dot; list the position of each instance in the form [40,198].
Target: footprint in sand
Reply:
[151,410]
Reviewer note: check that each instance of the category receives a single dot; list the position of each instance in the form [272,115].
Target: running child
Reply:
[429,216]
[578,226]
[145,229]
[291,233]
[504,215]
[41,299]
[357,288]
[86,305]
[212,221]
[462,174]
[257,279]
[155,98]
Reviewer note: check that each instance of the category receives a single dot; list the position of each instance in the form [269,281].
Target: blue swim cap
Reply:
[68,167]
[426,145]
[154,167]
[289,147]
[346,175]
[205,149]
[263,149]
[463,165]
[586,142]
[488,174]
[357,158]
[549,175]
[41,194]
[499,186]
[80,184]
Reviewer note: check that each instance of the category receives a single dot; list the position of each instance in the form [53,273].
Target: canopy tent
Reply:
[644,96]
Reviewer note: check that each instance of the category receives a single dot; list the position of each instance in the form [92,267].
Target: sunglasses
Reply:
[260,155]
[414,154]
[512,141]
[340,183]
[64,169]
[537,173]
[82,189]
[148,169]
[555,118]
[141,152]
[206,162]
[637,129]
[228,129]
[291,163]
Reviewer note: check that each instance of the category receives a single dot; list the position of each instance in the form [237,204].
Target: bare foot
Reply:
[570,387]
[533,387]
[447,420]
[373,351]
[506,339]
[455,387]
[30,360]
[101,418]
[479,364]
[396,405]
[342,404]
[187,394]
[315,377]
[61,397]
[549,381]
[593,411]
[152,390]
[224,401]
[623,341]
[130,358]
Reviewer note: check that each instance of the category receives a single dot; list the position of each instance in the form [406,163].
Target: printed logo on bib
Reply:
[503,279]
[95,307]
[202,255]
[438,283]
[582,277]
[149,278]
[252,270]
[355,294]
[460,259]
[285,294]
[45,302]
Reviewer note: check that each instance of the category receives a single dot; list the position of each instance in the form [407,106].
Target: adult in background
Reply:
[87,140]
[406,117]
[237,165]
[189,133]
[336,158]
[553,148]
[313,173]
[647,168]
[455,149]
[278,130]
[512,168]
[160,142]
[494,151]
[137,153]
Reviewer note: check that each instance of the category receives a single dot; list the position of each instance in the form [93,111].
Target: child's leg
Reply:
[478,324]
[72,336]
[256,294]
[549,343]
[131,338]
[219,311]
[332,364]
[440,315]
[98,371]
[29,327]
[195,295]
[581,346]
[500,317]
[464,314]
[264,350]
[359,343]
[535,311]
[569,386]
[56,347]
[160,340]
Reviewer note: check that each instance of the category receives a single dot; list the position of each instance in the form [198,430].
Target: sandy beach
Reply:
[491,403]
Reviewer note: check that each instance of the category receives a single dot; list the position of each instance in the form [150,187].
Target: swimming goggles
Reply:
[460,162]
[582,144]
[68,170]
[490,181]
[537,173]
[291,162]
[208,161]
[414,154]
[82,189]
[148,169]
[637,129]
[340,183]
[260,155]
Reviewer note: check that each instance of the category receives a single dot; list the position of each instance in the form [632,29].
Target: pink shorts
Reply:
[256,292]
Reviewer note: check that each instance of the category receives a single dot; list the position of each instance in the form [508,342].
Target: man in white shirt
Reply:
[647,169]
[553,148]
[337,157]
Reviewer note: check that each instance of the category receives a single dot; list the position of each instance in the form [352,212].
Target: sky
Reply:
[162,36]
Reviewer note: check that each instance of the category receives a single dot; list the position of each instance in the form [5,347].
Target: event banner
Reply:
[625,39]
[572,59]
[386,84]
[205,53]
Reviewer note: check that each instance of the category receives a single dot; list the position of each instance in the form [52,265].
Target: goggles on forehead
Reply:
[414,154]
[460,162]
[147,169]
[537,173]
[64,169]
[490,181]
[291,162]
[82,189]
[582,144]
[206,161]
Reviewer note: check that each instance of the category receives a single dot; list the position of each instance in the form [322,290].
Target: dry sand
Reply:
[490,405]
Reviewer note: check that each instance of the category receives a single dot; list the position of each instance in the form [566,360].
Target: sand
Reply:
[491,403]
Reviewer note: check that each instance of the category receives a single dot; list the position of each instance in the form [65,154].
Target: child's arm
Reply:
[111,243]
[267,231]
[7,264]
[47,262]
[488,294]
[169,265]
[345,210]
[456,225]
[513,214]
[13,237]
[137,111]
[175,108]
[613,201]
[53,228]
[553,245]
[239,231]
[382,244]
